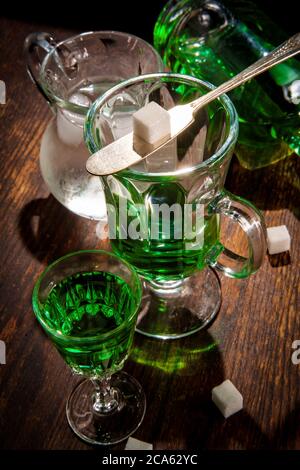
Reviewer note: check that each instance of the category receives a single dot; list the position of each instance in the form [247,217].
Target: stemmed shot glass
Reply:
[164,212]
[87,303]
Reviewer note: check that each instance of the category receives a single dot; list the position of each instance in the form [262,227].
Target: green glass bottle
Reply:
[214,41]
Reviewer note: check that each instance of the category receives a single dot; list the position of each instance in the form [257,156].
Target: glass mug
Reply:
[70,75]
[182,294]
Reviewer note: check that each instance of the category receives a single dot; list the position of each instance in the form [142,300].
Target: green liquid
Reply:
[269,124]
[167,257]
[168,260]
[86,305]
[267,127]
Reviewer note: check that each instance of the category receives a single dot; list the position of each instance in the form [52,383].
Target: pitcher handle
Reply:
[36,47]
[252,223]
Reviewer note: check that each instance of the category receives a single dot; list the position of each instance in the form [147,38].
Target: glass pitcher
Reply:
[70,75]
[164,213]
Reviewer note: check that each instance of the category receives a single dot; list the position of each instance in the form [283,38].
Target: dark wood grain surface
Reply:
[258,321]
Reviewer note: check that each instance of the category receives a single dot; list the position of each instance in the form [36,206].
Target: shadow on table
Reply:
[279,260]
[274,187]
[178,377]
[49,230]
[241,431]
[287,434]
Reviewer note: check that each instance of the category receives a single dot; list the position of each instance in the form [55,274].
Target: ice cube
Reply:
[118,114]
[278,239]
[102,228]
[164,159]
[135,444]
[227,398]
[2,92]
[152,124]
[291,92]
[80,99]
[70,124]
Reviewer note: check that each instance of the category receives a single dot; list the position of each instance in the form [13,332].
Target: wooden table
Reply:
[254,331]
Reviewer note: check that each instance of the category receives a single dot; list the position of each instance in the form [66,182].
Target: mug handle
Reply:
[36,47]
[252,223]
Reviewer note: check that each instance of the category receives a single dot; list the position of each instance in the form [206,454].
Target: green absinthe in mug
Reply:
[161,234]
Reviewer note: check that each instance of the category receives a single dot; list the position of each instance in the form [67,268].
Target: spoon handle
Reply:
[286,50]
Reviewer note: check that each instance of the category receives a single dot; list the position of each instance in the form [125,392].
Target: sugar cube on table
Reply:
[2,92]
[135,444]
[278,239]
[152,124]
[227,398]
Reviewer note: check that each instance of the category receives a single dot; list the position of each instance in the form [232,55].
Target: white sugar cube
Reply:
[2,92]
[227,398]
[135,444]
[278,239]
[152,124]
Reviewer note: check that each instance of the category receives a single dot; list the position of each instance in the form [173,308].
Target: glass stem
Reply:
[167,289]
[105,399]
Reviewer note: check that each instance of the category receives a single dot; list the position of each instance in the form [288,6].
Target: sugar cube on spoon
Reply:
[152,124]
[151,128]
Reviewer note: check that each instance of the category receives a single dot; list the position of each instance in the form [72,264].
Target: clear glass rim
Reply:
[89,339]
[215,158]
[75,107]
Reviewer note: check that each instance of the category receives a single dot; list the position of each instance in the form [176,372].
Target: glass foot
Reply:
[109,427]
[175,309]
